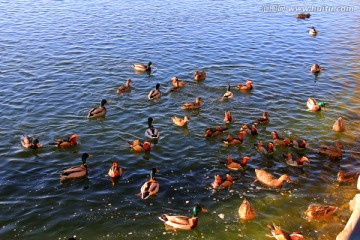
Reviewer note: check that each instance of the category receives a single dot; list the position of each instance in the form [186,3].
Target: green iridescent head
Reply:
[321,104]
[198,209]
[149,64]
[103,102]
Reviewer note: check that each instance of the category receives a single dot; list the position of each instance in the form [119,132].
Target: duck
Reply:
[228,117]
[199,76]
[68,143]
[30,142]
[319,211]
[315,68]
[350,177]
[227,95]
[269,149]
[151,132]
[299,143]
[76,172]
[279,234]
[245,129]
[137,146]
[237,166]
[263,120]
[313,31]
[140,67]
[232,141]
[280,141]
[295,163]
[99,111]
[331,152]
[246,211]
[215,132]
[226,183]
[177,83]
[150,187]
[183,222]
[313,105]
[339,125]
[270,180]
[181,122]
[115,170]
[124,89]
[303,15]
[155,94]
[192,105]
[247,86]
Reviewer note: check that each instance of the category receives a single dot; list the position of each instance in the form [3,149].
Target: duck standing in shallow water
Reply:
[76,172]
[151,132]
[183,222]
[199,76]
[70,142]
[280,141]
[227,95]
[296,163]
[99,111]
[269,180]
[180,122]
[246,211]
[30,142]
[319,212]
[155,94]
[140,67]
[316,68]
[248,86]
[339,125]
[263,120]
[228,117]
[150,187]
[192,105]
[313,31]
[313,105]
[124,89]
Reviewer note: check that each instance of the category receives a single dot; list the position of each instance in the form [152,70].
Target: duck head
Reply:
[84,157]
[153,172]
[157,86]
[286,177]
[197,209]
[104,102]
[150,121]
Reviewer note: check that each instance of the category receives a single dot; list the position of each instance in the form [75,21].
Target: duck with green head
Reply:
[30,142]
[99,111]
[150,187]
[313,105]
[151,132]
[77,171]
[140,67]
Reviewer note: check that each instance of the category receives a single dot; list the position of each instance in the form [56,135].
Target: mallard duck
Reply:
[279,234]
[269,180]
[247,86]
[155,94]
[76,172]
[303,15]
[228,118]
[314,105]
[313,31]
[299,143]
[115,170]
[177,83]
[126,88]
[339,125]
[183,222]
[180,122]
[315,68]
[227,95]
[237,166]
[280,141]
[263,120]
[319,212]
[215,132]
[150,187]
[99,111]
[151,132]
[295,163]
[140,67]
[331,152]
[226,183]
[30,142]
[199,76]
[137,146]
[246,211]
[347,177]
[192,105]
[269,149]
[232,141]
[70,142]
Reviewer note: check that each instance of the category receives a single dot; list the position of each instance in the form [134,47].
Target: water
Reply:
[60,58]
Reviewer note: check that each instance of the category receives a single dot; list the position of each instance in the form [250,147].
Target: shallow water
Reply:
[60,58]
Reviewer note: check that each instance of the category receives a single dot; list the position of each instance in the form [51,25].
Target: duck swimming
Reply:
[192,105]
[215,132]
[303,15]
[299,143]
[247,86]
[30,142]
[115,170]
[296,163]
[246,211]
[70,142]
[315,68]
[177,83]
[280,141]
[183,222]
[339,125]
[180,122]
[150,187]
[319,212]
[228,117]
[314,105]
[227,95]
[219,183]
[199,76]
[155,94]
[151,132]
[232,141]
[269,180]
[237,166]
[332,152]
[99,111]
[263,120]
[279,234]
[269,149]
[76,172]
[124,89]
[313,31]
[350,177]
[140,67]
[139,147]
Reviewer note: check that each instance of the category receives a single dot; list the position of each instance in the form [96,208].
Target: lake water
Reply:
[60,58]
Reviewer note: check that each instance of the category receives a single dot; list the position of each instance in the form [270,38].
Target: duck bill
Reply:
[90,155]
[204,210]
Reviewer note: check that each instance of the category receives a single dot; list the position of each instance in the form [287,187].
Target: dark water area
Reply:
[60,58]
